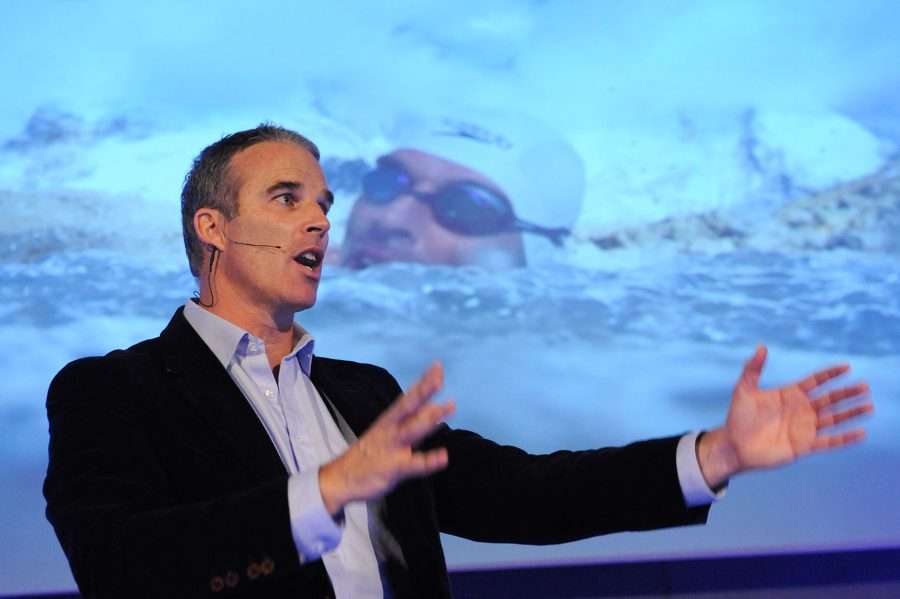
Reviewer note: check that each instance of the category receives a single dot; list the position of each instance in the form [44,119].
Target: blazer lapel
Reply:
[209,391]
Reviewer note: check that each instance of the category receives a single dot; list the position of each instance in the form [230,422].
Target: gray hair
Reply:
[209,185]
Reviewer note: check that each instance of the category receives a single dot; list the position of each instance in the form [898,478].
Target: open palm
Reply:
[768,427]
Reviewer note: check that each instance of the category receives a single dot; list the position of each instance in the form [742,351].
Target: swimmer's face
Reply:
[404,229]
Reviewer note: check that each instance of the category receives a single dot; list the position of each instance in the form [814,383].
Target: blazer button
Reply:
[232,578]
[267,566]
[216,584]
[253,571]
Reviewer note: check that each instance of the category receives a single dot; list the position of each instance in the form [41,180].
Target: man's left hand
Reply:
[770,427]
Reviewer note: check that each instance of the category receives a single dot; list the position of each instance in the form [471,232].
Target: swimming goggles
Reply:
[464,207]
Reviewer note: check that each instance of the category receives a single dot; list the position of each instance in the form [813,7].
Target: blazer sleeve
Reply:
[117,514]
[499,493]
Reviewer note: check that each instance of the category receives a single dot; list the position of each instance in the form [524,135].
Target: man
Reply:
[447,195]
[224,457]
[419,207]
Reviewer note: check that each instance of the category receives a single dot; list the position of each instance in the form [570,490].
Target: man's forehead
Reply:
[425,166]
[266,163]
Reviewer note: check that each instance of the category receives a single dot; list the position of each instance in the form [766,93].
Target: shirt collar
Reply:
[303,349]
[226,339]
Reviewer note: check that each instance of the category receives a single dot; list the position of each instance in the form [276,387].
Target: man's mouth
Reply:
[379,244]
[311,259]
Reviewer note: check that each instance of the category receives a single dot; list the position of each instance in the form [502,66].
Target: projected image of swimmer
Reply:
[460,194]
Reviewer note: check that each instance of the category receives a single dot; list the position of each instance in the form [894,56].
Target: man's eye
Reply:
[287,199]
[325,206]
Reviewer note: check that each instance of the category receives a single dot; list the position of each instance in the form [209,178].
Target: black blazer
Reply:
[162,482]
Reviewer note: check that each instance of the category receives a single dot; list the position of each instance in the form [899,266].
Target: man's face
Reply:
[282,201]
[404,229]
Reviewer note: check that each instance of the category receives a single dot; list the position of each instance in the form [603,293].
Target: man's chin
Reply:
[305,305]
[300,303]
[361,259]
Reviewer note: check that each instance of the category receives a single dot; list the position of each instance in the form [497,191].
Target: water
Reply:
[842,302]
[839,305]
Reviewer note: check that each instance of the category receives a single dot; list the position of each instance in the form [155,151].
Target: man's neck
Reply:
[276,329]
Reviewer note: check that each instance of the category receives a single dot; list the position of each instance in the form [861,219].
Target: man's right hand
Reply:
[384,455]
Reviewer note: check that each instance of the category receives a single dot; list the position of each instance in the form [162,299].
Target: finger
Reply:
[753,368]
[831,419]
[833,397]
[423,390]
[424,421]
[825,442]
[422,463]
[817,378]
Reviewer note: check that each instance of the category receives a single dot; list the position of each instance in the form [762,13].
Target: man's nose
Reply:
[318,222]
[404,212]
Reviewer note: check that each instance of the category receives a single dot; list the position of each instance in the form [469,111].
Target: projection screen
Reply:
[728,174]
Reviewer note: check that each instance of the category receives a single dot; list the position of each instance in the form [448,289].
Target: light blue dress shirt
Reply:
[306,436]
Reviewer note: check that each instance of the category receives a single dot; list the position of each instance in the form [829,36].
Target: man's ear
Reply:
[209,224]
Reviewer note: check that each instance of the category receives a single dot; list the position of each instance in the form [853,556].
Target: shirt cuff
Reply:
[314,530]
[693,486]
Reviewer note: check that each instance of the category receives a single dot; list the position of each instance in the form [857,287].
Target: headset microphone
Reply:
[212,261]
[256,245]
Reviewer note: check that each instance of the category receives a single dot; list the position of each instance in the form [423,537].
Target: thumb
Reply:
[753,368]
